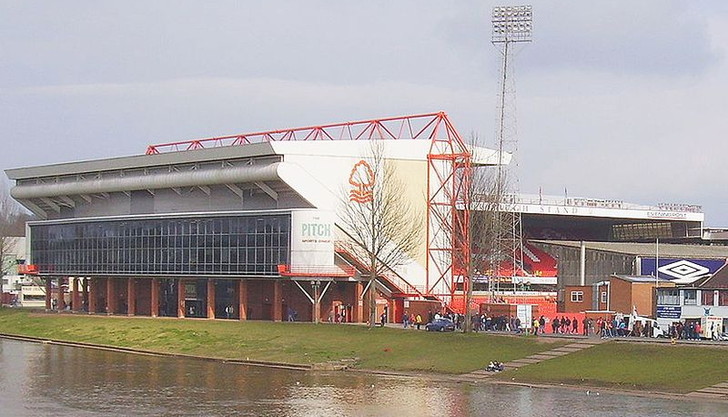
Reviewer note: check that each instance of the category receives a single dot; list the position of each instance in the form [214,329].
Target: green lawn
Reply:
[299,343]
[632,366]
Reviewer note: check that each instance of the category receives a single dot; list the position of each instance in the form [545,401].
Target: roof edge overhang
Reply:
[142,161]
[230,175]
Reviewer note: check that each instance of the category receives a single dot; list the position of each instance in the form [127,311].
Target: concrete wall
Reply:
[600,265]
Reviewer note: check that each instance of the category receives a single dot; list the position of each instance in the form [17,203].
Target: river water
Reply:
[48,380]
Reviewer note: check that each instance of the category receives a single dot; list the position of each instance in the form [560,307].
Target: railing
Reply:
[392,277]
[28,269]
[318,271]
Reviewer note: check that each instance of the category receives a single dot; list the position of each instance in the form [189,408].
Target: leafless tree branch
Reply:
[383,224]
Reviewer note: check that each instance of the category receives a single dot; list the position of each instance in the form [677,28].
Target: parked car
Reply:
[440,325]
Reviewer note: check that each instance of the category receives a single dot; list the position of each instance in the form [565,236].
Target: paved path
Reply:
[538,357]
[717,391]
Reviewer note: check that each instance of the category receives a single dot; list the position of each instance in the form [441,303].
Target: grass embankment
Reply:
[299,343]
[632,366]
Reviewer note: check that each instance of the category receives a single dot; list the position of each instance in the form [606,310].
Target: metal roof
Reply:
[647,279]
[142,161]
[666,250]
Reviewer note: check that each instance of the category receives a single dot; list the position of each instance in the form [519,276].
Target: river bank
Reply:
[645,368]
[50,379]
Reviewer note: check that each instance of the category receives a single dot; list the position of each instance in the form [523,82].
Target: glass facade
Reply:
[241,245]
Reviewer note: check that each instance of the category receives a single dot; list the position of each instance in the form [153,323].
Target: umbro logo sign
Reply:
[683,272]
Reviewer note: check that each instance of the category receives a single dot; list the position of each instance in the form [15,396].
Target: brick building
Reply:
[619,294]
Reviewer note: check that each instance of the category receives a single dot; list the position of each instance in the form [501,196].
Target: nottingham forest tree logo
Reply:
[362,181]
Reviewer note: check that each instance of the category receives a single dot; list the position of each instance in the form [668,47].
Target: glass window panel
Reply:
[225,245]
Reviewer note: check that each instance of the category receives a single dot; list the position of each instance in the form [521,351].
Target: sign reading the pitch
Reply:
[312,237]
[681,271]
[315,232]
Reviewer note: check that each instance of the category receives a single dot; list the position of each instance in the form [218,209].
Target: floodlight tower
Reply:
[511,27]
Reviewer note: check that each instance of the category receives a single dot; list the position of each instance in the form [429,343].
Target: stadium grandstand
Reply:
[246,226]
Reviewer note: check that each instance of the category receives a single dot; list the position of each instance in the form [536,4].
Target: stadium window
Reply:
[604,297]
[690,297]
[668,297]
[723,298]
[577,296]
[707,297]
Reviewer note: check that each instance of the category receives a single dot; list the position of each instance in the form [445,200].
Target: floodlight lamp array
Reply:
[512,23]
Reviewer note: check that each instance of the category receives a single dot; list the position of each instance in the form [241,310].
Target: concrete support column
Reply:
[75,296]
[48,293]
[61,296]
[181,298]
[131,297]
[358,303]
[210,298]
[277,301]
[316,303]
[155,297]
[110,296]
[243,299]
[93,288]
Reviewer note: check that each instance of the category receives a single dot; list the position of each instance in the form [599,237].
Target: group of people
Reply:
[615,327]
[498,323]
[412,320]
[564,325]
[687,331]
[602,327]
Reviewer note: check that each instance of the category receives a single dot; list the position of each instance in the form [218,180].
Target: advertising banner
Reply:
[312,238]
[669,312]
[681,271]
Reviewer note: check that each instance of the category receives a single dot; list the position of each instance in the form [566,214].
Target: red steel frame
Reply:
[448,181]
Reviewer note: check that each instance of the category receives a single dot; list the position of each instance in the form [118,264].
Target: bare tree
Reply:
[384,225]
[485,226]
[11,224]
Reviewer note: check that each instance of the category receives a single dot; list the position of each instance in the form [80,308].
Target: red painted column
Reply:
[243,299]
[48,293]
[277,301]
[210,298]
[181,298]
[110,295]
[75,296]
[130,297]
[84,294]
[155,297]
[358,303]
[92,294]
[61,296]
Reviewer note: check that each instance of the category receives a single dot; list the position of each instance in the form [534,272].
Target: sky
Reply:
[614,99]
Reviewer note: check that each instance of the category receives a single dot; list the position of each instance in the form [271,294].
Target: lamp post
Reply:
[511,24]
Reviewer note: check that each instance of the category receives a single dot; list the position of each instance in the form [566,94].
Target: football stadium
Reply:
[249,227]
